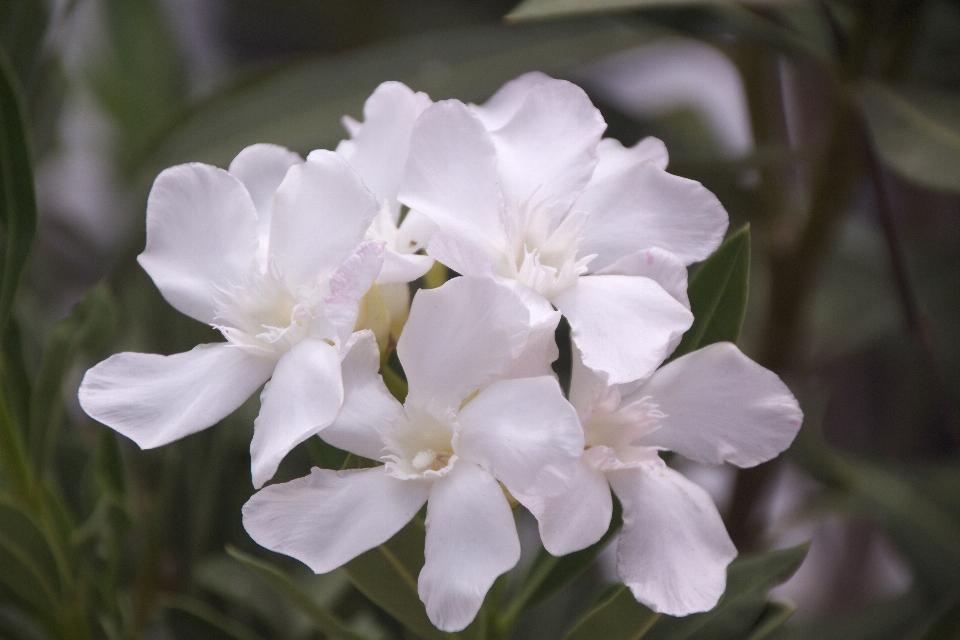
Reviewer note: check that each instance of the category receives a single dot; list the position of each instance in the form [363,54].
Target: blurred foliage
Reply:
[849,278]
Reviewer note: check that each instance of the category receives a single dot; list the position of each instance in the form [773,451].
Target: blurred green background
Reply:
[831,127]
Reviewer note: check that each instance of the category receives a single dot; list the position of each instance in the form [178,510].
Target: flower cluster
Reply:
[540,216]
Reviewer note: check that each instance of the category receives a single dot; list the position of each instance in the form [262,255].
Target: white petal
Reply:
[321,212]
[415,231]
[614,157]
[201,235]
[461,256]
[657,264]
[502,106]
[541,348]
[524,433]
[460,337]
[674,550]
[154,400]
[348,284]
[547,151]
[577,517]
[328,518]
[302,398]
[624,326]
[379,148]
[261,168]
[451,175]
[403,267]
[643,206]
[367,405]
[471,539]
[721,406]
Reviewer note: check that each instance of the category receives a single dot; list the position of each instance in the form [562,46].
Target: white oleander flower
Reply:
[462,431]
[524,190]
[714,405]
[272,254]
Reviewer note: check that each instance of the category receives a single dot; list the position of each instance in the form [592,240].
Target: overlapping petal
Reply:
[721,406]
[195,212]
[674,549]
[624,326]
[154,400]
[459,338]
[302,398]
[524,433]
[471,539]
[614,157]
[261,168]
[659,265]
[348,284]
[643,206]
[502,105]
[330,517]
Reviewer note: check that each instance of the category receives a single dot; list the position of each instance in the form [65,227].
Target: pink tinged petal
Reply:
[548,149]
[348,284]
[614,157]
[302,398]
[403,267]
[201,236]
[502,106]
[321,212]
[524,433]
[461,256]
[624,326]
[674,549]
[451,176]
[326,519]
[642,207]
[661,266]
[721,406]
[459,338]
[577,517]
[367,406]
[380,145]
[154,400]
[261,168]
[471,539]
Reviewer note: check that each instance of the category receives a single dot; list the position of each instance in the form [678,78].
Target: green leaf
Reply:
[617,617]
[88,327]
[772,618]
[388,576]
[322,619]
[541,9]
[18,207]
[300,106]
[718,295]
[22,27]
[550,573]
[28,567]
[743,603]
[915,132]
[190,618]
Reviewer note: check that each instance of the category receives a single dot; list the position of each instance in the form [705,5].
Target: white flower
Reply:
[462,429]
[378,151]
[714,405]
[272,254]
[523,189]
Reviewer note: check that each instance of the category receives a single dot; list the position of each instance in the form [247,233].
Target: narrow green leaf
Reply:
[388,576]
[543,9]
[322,619]
[24,579]
[18,207]
[916,132]
[89,325]
[743,603]
[20,528]
[617,617]
[550,573]
[772,618]
[718,295]
[191,619]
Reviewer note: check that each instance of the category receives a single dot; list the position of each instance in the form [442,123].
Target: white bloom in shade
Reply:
[523,189]
[378,151]
[462,431]
[272,254]
[714,405]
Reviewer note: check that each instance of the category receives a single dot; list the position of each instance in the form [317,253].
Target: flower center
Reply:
[618,426]
[544,245]
[421,444]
